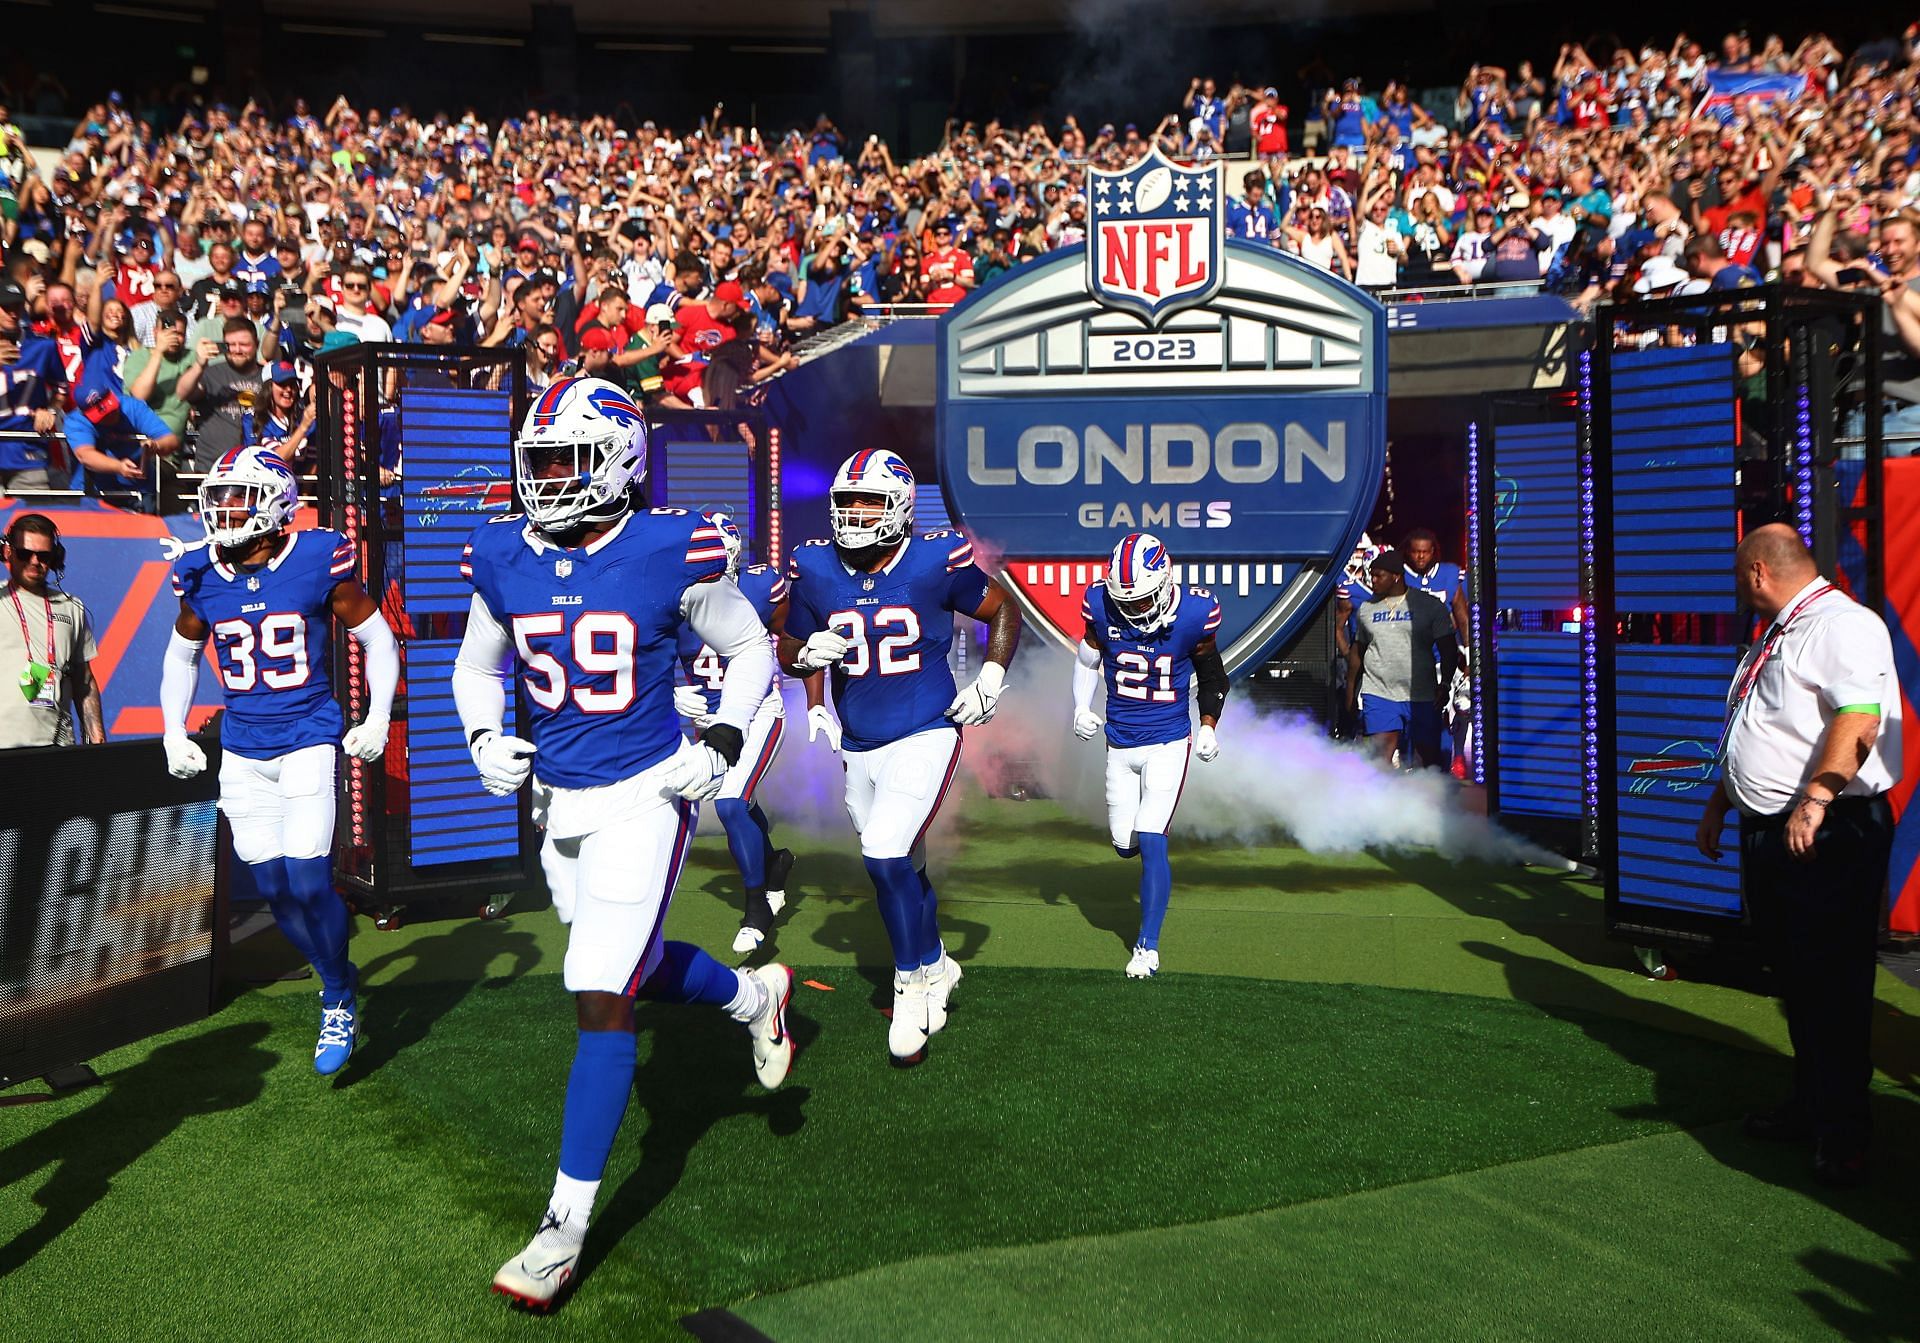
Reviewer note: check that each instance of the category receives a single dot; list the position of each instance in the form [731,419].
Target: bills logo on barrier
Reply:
[1158,230]
[1223,395]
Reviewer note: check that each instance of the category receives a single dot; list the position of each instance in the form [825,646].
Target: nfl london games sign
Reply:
[1225,396]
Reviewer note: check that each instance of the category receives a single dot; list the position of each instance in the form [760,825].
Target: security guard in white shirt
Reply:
[1811,747]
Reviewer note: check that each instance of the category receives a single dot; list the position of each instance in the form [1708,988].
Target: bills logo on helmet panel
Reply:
[1156,244]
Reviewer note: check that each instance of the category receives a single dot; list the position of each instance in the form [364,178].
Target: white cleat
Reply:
[1145,963]
[778,874]
[747,940]
[907,1036]
[941,981]
[772,1044]
[538,1274]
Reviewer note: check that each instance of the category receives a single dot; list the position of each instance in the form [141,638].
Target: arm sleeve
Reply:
[480,672]
[1211,673]
[966,586]
[383,663]
[142,417]
[726,621]
[1852,663]
[179,674]
[801,620]
[1086,677]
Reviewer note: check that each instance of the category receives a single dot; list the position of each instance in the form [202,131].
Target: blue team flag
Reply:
[1725,92]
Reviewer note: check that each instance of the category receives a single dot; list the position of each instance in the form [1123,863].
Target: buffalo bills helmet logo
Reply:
[1156,245]
[620,409]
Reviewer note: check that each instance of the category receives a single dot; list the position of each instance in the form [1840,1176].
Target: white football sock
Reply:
[749,998]
[567,1211]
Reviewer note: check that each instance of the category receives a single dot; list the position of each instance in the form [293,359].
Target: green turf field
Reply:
[1369,1098]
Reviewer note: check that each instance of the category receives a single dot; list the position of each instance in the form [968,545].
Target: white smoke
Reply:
[1278,779]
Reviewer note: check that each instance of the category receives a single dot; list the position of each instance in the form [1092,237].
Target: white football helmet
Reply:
[869,473]
[582,444]
[249,493]
[730,537]
[1140,581]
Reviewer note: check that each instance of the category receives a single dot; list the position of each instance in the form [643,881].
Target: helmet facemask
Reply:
[863,517]
[562,484]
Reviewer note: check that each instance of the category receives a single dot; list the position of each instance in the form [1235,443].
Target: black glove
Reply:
[726,739]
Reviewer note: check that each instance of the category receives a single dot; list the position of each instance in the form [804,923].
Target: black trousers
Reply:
[1819,923]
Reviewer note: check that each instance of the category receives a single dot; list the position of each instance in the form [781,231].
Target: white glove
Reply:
[504,762]
[690,701]
[697,771]
[1206,745]
[823,648]
[184,756]
[821,722]
[366,741]
[1086,724]
[975,704]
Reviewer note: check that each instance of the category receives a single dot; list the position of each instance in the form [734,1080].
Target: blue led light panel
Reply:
[1674,438]
[1669,702]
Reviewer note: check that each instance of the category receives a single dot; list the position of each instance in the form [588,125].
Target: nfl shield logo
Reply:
[563,568]
[1158,237]
[253,585]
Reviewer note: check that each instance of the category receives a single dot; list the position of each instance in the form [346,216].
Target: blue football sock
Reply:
[328,925]
[929,921]
[1156,886]
[745,840]
[596,1101]
[270,880]
[902,906]
[686,974]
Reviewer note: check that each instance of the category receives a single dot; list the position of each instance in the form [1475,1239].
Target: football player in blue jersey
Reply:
[1153,640]
[875,609]
[763,868]
[1428,573]
[265,594]
[588,594]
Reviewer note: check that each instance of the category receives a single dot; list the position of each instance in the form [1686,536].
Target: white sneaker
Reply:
[941,981]
[538,1274]
[772,1045]
[907,1036]
[747,940]
[1145,963]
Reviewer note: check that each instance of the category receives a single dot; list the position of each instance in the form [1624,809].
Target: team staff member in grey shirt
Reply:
[1811,747]
[46,645]
[1399,663]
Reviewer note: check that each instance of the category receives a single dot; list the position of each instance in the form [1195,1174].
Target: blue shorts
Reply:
[1417,720]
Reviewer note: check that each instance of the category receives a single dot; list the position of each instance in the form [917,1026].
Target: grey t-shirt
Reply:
[1386,639]
[224,399]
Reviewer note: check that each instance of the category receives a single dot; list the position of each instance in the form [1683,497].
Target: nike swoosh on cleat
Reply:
[551,1269]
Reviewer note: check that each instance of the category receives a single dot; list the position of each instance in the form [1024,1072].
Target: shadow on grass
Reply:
[439,972]
[682,1095]
[1861,1299]
[136,1110]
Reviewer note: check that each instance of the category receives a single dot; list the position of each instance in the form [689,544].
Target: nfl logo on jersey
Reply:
[1157,239]
[562,568]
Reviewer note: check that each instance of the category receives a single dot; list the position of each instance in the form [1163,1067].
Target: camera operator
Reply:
[46,644]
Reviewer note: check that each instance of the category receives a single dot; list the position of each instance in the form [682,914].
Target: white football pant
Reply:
[612,879]
[1143,787]
[282,807]
[893,791]
[762,743]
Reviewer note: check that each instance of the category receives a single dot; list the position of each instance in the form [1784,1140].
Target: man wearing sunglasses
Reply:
[46,645]
[356,316]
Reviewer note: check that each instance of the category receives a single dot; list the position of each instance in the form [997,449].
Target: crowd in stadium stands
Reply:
[169,277]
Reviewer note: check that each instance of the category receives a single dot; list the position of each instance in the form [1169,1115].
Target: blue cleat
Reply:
[339,1031]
